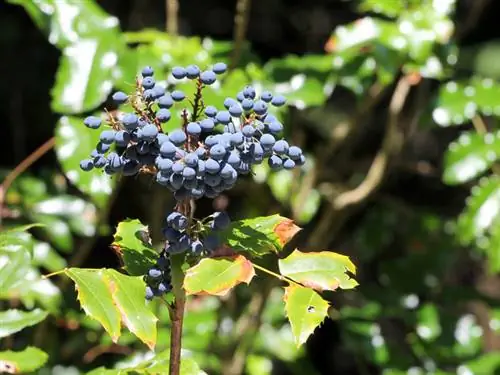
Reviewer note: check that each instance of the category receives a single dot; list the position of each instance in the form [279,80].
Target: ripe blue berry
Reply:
[149,133]
[122,138]
[178,167]
[197,247]
[235,110]
[278,100]
[217,152]
[221,220]
[223,117]
[211,111]
[120,97]
[148,82]
[248,131]
[228,102]
[154,273]
[249,92]
[163,115]
[107,137]
[193,128]
[191,160]
[289,164]
[208,77]
[130,121]
[192,71]
[212,166]
[240,96]
[236,139]
[281,147]
[178,95]
[219,68]
[294,152]
[147,71]
[275,162]
[266,96]
[177,137]
[157,91]
[100,161]
[179,72]
[149,293]
[188,173]
[267,141]
[247,104]
[165,101]
[260,107]
[164,165]
[275,127]
[86,165]
[92,122]
[207,125]
[168,149]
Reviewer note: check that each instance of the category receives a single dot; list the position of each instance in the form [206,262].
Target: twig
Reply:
[392,141]
[482,129]
[23,166]
[240,29]
[98,350]
[473,15]
[172,16]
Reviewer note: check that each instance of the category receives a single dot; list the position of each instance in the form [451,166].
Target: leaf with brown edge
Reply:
[216,276]
[323,270]
[305,310]
[260,235]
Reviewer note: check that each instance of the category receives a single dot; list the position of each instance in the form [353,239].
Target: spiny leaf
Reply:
[305,309]
[323,270]
[217,276]
[12,321]
[260,235]
[113,298]
[132,242]
[23,362]
[470,156]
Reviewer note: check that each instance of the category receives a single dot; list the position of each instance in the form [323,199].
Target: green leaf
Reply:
[260,235]
[216,276]
[75,142]
[482,209]
[36,12]
[113,298]
[132,242]
[428,326]
[56,231]
[319,270]
[14,264]
[23,362]
[12,321]
[470,156]
[306,310]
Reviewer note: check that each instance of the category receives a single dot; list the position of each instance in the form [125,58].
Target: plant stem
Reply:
[274,274]
[240,29]
[172,15]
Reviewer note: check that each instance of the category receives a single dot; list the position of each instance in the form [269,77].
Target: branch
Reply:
[172,16]
[392,141]
[240,29]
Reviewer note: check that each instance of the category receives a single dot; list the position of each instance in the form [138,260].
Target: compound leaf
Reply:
[133,244]
[12,321]
[23,362]
[113,298]
[323,270]
[305,309]
[217,276]
[260,235]
[470,156]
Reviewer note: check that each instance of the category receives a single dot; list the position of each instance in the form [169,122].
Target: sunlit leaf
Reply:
[132,242]
[12,321]
[75,142]
[22,362]
[428,326]
[306,310]
[319,270]
[13,267]
[470,156]
[56,231]
[113,298]
[260,235]
[217,276]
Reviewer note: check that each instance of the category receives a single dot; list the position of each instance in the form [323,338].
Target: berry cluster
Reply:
[158,279]
[212,149]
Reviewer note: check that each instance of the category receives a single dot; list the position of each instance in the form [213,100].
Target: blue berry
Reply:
[267,141]
[130,121]
[168,149]
[100,161]
[192,71]
[294,153]
[217,152]
[248,131]
[249,92]
[221,220]
[281,147]
[235,110]
[234,159]
[212,166]
[266,96]
[207,125]
[237,139]
[148,82]
[86,165]
[301,160]
[157,91]
[120,97]
[161,138]
[149,133]
[289,164]
[107,137]
[165,101]
[163,115]
[275,127]
[147,71]
[191,160]
[260,107]
[223,117]
[228,102]
[240,96]
[208,77]
[164,165]
[227,171]
[148,95]
[201,152]
[92,122]
[149,293]
[188,173]
[122,138]
[177,137]
[219,68]
[278,100]
[275,162]
[176,181]
[179,72]
[197,247]
[178,95]
[193,128]
[171,234]
[164,287]
[178,167]
[210,111]
[154,273]
[247,104]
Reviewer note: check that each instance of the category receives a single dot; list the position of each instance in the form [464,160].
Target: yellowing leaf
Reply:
[323,270]
[113,298]
[305,310]
[217,276]
[22,362]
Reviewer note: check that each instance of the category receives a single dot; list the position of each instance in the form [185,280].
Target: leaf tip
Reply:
[285,230]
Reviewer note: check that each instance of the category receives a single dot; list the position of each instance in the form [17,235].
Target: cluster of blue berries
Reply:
[158,278]
[213,147]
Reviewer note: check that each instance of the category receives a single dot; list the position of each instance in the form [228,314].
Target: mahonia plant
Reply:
[204,157]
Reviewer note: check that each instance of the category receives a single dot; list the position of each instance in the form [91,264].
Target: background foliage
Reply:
[397,105]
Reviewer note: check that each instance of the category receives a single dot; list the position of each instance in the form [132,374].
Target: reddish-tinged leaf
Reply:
[285,230]
[216,276]
[323,270]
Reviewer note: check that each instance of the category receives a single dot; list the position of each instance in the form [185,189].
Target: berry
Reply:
[122,138]
[280,147]
[164,287]
[247,104]
[260,107]
[178,95]
[178,167]
[248,131]
[235,110]
[130,121]
[107,136]
[228,102]
[294,152]
[210,111]
[154,273]
[163,115]
[165,101]
[221,220]
[223,117]
[289,164]
[191,160]
[219,68]
[100,161]
[240,96]
[149,293]
[197,247]
[192,71]
[168,149]
[171,234]
[208,77]
[193,128]
[148,82]
[149,133]
[179,72]
[249,92]
[177,137]
[275,162]
[120,97]
[147,71]
[275,127]
[207,125]
[157,91]
[92,122]
[86,165]
[237,139]
[278,100]
[212,166]
[217,152]
[266,96]
[267,141]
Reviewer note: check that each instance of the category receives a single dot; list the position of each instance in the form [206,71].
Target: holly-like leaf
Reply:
[305,309]
[216,276]
[113,298]
[470,156]
[75,142]
[260,235]
[12,321]
[323,270]
[23,362]
[133,244]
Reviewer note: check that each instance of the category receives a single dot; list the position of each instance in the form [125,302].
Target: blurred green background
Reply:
[397,105]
